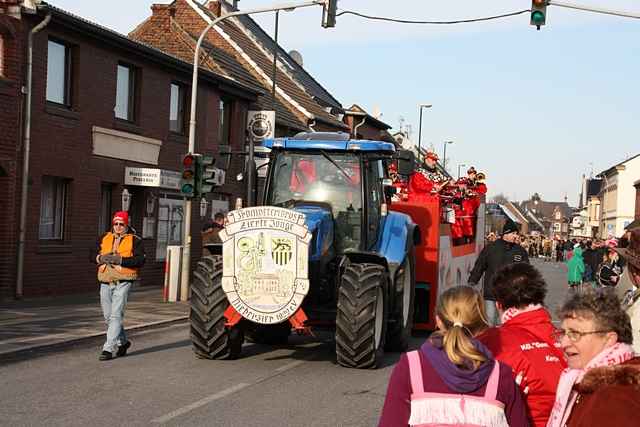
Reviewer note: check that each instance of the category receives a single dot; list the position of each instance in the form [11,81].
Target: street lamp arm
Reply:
[196,54]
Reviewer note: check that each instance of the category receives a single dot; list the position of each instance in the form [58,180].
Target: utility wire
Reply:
[407,21]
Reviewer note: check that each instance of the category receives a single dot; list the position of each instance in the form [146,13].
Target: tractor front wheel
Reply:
[362,316]
[210,337]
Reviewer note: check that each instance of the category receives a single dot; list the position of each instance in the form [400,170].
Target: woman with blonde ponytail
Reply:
[454,380]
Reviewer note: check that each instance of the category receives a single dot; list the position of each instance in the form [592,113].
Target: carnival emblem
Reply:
[265,262]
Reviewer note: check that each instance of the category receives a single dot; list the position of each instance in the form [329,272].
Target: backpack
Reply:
[449,409]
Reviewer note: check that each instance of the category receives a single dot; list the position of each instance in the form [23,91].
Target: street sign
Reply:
[150,177]
[261,124]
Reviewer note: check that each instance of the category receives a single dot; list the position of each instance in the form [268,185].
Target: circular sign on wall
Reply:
[261,124]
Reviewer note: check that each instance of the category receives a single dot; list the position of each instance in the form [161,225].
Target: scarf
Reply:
[512,312]
[566,397]
[461,379]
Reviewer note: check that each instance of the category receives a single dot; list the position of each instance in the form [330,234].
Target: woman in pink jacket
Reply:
[453,379]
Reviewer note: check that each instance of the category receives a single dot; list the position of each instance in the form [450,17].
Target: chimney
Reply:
[235,4]
[215,7]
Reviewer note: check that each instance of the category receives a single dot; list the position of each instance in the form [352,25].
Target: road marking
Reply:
[226,392]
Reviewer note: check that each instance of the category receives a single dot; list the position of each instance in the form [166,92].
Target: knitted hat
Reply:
[510,227]
[122,216]
[631,253]
[471,170]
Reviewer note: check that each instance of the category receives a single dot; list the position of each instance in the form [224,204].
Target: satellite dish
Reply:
[296,56]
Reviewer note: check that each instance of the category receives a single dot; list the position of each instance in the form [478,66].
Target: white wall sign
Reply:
[261,124]
[149,177]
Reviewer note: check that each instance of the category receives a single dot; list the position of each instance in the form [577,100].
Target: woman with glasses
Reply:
[120,257]
[601,386]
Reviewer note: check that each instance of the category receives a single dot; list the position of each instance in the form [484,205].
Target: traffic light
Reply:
[538,13]
[188,179]
[207,176]
[329,13]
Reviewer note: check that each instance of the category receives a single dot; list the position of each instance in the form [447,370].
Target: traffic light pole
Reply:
[593,9]
[186,250]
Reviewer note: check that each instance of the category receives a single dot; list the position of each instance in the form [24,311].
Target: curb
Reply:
[40,349]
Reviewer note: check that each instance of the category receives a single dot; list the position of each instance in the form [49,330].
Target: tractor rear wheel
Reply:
[402,321]
[210,337]
[362,316]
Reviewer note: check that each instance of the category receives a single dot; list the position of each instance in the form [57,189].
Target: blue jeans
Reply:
[493,317]
[113,299]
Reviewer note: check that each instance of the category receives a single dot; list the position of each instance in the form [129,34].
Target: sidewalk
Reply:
[47,322]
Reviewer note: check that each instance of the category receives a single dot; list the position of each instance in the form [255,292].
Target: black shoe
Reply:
[105,355]
[122,350]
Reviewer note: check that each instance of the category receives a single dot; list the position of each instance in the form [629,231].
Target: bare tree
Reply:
[500,198]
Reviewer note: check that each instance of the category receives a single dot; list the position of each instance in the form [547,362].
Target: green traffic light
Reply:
[187,188]
[537,18]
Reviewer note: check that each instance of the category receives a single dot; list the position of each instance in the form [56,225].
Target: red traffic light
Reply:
[188,160]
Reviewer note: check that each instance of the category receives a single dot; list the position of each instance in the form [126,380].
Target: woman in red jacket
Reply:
[525,340]
[453,379]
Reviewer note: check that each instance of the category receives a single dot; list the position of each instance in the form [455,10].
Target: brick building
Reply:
[108,113]
[239,49]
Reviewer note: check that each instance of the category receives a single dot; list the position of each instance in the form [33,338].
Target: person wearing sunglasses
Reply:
[601,385]
[120,256]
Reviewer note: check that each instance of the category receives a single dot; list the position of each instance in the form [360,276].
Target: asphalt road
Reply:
[161,383]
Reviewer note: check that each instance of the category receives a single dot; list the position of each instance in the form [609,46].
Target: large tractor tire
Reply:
[401,324]
[362,316]
[210,337]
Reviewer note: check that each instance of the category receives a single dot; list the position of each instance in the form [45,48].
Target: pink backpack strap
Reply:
[415,372]
[492,385]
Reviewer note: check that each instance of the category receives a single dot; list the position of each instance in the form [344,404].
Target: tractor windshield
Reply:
[327,177]
[332,178]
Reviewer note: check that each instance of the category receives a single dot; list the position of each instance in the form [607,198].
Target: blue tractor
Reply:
[361,255]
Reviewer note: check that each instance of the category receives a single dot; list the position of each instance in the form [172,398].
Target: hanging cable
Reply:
[407,21]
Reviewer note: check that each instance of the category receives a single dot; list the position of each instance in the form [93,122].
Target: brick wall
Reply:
[11,81]
[62,146]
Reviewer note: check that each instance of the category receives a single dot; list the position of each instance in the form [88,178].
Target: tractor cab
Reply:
[331,182]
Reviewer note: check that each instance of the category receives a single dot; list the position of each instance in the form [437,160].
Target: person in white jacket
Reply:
[629,287]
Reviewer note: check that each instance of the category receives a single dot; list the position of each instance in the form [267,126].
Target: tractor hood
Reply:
[319,221]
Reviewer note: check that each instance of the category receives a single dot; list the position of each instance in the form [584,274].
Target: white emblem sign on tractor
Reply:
[265,262]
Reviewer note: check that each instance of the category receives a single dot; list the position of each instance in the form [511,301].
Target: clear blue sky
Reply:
[533,109]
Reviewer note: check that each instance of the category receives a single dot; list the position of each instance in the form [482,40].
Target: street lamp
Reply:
[444,155]
[461,165]
[186,252]
[421,106]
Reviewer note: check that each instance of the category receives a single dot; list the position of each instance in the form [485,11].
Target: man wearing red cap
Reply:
[120,256]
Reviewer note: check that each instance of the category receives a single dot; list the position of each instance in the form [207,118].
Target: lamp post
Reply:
[444,155]
[186,252]
[461,165]
[421,106]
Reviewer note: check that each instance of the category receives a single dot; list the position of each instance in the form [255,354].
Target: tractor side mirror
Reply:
[406,162]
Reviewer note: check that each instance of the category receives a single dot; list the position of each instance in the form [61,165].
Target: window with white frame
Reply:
[58,73]
[53,199]
[224,129]
[125,92]
[557,227]
[177,108]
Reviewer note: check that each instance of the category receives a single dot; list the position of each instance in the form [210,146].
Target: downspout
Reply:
[355,129]
[25,157]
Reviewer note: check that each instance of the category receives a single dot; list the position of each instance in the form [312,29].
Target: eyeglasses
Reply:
[574,336]
[118,224]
